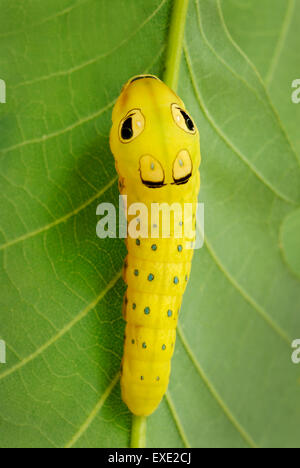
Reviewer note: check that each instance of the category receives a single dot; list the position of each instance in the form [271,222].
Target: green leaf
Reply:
[272,46]
[233,382]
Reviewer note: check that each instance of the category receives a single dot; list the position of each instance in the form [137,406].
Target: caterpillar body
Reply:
[157,154]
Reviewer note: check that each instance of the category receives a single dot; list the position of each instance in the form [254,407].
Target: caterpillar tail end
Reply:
[141,399]
[137,405]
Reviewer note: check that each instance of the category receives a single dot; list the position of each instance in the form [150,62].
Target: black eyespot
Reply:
[188,121]
[126,131]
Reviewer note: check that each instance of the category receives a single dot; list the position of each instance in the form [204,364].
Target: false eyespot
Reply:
[152,174]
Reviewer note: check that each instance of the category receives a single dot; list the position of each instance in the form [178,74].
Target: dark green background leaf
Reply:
[233,382]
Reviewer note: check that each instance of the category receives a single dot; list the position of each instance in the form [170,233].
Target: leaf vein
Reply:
[221,134]
[84,427]
[64,330]
[281,40]
[214,392]
[61,220]
[97,58]
[177,420]
[251,64]
[274,326]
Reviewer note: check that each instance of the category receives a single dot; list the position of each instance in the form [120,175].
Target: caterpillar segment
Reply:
[156,148]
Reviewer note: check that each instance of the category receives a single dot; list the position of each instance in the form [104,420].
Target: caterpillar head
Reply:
[154,140]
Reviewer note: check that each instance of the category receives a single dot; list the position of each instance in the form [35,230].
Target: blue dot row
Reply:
[154,246]
[151,277]
[144,345]
[147,310]
[157,378]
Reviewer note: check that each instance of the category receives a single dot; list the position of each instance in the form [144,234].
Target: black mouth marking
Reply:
[183,181]
[150,184]
[142,77]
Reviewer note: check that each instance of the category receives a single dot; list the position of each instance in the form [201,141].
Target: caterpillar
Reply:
[156,148]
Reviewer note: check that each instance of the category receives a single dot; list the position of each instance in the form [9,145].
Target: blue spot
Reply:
[157,378]
[151,277]
[147,310]
[136,272]
[170,313]
[155,226]
[163,347]
[154,247]
[186,277]
[138,242]
[134,306]
[176,280]
[179,248]
[144,345]
[181,223]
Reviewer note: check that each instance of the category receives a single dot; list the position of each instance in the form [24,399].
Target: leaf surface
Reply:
[233,382]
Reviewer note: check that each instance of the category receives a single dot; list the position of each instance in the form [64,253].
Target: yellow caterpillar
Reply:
[157,153]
